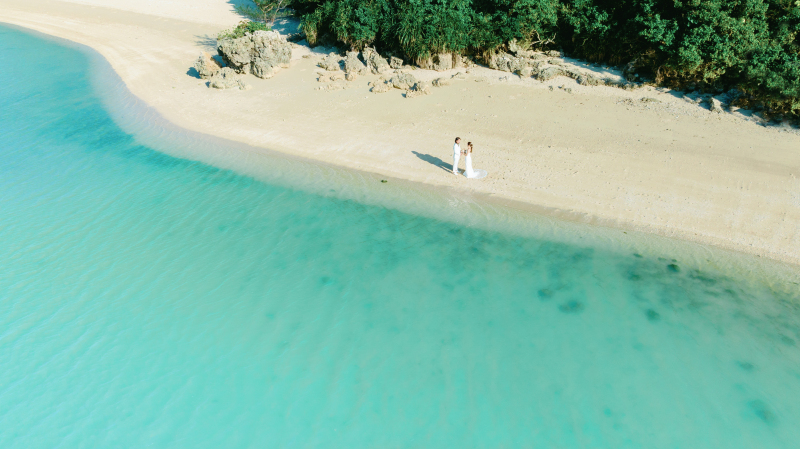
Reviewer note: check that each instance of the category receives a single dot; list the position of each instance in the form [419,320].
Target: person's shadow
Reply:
[433,160]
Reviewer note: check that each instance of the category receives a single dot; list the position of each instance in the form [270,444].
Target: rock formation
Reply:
[226,78]
[262,53]
[206,66]
[375,62]
[418,89]
[353,66]
[715,105]
[550,73]
[331,63]
[270,53]
[403,81]
[395,63]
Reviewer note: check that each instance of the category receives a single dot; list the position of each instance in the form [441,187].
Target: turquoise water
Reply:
[150,301]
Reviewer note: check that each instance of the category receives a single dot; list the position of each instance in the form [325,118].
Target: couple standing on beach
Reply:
[468,172]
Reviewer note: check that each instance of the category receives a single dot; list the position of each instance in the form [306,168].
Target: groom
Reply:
[456,155]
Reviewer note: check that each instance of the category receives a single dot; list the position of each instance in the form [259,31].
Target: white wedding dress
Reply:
[473,174]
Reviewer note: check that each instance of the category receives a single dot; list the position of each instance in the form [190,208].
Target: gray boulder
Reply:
[331,63]
[550,73]
[589,80]
[715,105]
[441,82]
[395,63]
[439,62]
[236,53]
[403,81]
[353,66]
[226,78]
[380,86]
[262,53]
[271,52]
[206,66]
[418,89]
[375,62]
[501,61]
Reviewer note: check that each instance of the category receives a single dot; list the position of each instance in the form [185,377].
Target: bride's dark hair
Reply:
[469,145]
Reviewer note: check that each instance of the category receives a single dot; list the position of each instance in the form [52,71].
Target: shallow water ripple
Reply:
[150,301]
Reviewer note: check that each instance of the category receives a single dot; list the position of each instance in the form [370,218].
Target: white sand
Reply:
[600,154]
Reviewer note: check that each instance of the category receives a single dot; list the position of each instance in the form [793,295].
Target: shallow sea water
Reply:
[151,301]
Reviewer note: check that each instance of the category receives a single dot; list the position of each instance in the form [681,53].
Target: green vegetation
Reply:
[244,27]
[753,45]
[263,10]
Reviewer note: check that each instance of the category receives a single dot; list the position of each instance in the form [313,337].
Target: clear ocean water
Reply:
[152,301]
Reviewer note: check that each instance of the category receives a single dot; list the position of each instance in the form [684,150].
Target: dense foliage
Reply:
[715,44]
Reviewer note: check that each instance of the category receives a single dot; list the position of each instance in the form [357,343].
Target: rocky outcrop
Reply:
[418,89]
[206,66]
[375,62]
[549,73]
[353,66]
[331,63]
[270,53]
[589,80]
[403,81]
[226,78]
[395,63]
[380,86]
[441,82]
[441,62]
[715,105]
[262,53]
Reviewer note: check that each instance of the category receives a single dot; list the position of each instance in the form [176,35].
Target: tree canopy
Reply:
[718,44]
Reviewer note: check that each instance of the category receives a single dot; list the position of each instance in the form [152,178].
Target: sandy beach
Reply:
[646,159]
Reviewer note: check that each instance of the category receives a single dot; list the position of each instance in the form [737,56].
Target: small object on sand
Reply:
[384,181]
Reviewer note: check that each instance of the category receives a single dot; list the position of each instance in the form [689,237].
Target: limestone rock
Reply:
[589,80]
[418,89]
[226,78]
[271,52]
[510,63]
[550,73]
[403,81]
[715,105]
[236,53]
[501,61]
[395,63]
[554,54]
[380,86]
[262,53]
[331,63]
[439,62]
[440,82]
[353,66]
[525,72]
[206,66]
[375,62]
[459,76]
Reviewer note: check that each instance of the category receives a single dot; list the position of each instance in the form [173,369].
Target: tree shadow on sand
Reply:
[433,160]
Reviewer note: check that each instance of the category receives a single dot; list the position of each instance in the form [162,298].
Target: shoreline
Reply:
[338,148]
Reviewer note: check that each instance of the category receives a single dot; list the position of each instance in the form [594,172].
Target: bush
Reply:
[712,44]
[244,27]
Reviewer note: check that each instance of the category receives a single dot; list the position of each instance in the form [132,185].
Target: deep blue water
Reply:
[150,301]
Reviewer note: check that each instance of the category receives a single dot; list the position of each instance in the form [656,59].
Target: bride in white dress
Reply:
[469,172]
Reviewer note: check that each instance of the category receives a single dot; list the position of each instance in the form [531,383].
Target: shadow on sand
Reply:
[433,160]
